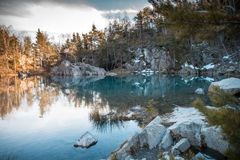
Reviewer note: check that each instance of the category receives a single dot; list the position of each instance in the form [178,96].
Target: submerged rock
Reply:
[180,147]
[213,138]
[229,85]
[199,91]
[86,140]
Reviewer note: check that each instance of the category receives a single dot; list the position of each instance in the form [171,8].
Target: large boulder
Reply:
[181,146]
[188,129]
[229,85]
[149,138]
[86,140]
[152,133]
[77,69]
[214,138]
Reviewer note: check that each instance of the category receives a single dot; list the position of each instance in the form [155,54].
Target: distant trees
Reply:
[24,56]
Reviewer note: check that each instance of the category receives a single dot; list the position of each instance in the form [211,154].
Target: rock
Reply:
[181,146]
[166,156]
[202,156]
[188,129]
[199,91]
[77,69]
[150,137]
[229,85]
[213,138]
[111,74]
[152,133]
[167,141]
[86,140]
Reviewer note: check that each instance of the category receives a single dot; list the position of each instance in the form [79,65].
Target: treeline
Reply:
[27,55]
[176,25]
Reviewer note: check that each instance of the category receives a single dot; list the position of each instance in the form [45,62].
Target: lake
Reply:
[41,118]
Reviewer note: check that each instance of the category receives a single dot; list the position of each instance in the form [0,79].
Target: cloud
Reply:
[21,8]
[65,16]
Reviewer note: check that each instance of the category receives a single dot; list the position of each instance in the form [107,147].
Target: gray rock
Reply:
[152,133]
[86,140]
[201,156]
[77,69]
[229,85]
[166,156]
[167,141]
[213,137]
[188,129]
[181,146]
[199,91]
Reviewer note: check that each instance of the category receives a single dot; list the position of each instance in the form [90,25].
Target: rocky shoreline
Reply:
[189,128]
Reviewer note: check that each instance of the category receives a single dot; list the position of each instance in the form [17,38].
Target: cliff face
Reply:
[152,59]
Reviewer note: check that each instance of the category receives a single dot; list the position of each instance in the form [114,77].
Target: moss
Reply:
[229,120]
[220,98]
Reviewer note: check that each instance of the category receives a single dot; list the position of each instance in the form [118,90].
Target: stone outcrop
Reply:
[189,129]
[229,85]
[77,69]
[156,59]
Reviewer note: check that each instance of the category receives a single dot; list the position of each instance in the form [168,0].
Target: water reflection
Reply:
[115,93]
[42,117]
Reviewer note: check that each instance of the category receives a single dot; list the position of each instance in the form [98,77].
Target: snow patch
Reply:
[208,66]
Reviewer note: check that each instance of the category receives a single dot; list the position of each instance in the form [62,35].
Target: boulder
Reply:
[202,156]
[213,138]
[180,147]
[229,85]
[77,69]
[86,140]
[199,91]
[150,137]
[188,129]
[152,133]
[167,141]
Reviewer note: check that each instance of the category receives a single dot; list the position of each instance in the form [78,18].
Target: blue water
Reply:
[41,118]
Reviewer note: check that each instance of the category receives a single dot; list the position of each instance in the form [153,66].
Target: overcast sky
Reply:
[64,16]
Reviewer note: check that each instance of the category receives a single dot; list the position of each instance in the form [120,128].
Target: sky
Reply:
[64,16]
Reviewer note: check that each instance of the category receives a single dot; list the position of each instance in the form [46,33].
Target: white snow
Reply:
[208,79]
[208,66]
[226,57]
[147,71]
[181,114]
[136,60]
[190,66]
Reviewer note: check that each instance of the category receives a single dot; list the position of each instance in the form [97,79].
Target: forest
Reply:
[176,25]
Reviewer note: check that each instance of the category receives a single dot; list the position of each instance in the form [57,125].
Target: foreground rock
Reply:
[86,140]
[213,138]
[149,138]
[188,127]
[182,146]
[77,69]
[229,85]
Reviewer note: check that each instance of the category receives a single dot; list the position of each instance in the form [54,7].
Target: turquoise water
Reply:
[41,118]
